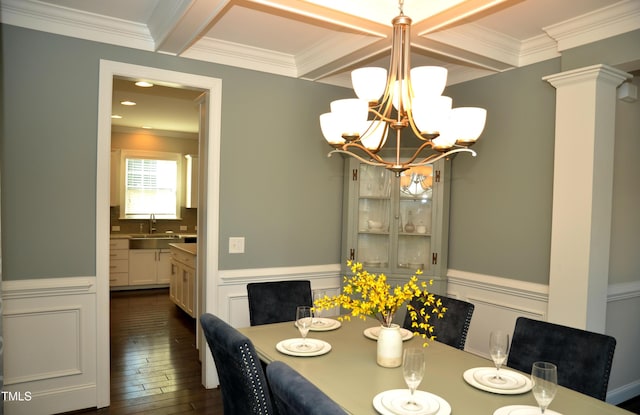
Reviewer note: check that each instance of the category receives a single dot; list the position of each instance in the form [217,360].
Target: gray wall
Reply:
[278,189]
[501,201]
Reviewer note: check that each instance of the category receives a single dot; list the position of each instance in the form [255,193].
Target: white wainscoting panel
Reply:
[50,344]
[232,292]
[623,309]
[500,301]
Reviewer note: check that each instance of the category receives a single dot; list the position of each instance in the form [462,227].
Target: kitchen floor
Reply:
[154,362]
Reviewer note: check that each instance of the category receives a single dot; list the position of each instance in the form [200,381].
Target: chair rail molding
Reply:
[500,301]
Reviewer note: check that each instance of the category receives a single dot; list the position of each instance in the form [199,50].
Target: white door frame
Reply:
[207,231]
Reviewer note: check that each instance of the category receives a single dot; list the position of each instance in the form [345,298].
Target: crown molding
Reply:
[478,45]
[242,56]
[69,22]
[482,41]
[610,21]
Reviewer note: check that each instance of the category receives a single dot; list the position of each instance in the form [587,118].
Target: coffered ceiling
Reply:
[323,40]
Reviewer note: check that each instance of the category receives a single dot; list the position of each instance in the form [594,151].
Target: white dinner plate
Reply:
[323,324]
[387,403]
[482,378]
[292,347]
[373,333]
[522,410]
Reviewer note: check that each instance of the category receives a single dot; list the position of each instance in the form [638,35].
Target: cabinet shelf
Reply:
[392,232]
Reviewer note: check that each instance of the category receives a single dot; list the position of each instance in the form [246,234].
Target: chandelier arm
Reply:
[381,116]
[435,157]
[417,152]
[362,159]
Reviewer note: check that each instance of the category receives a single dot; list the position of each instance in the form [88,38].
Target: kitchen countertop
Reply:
[190,248]
[137,235]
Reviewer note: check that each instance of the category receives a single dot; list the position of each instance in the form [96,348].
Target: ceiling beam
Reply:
[177,25]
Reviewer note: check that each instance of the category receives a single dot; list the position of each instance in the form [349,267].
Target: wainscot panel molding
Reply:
[623,308]
[232,291]
[500,301]
[50,344]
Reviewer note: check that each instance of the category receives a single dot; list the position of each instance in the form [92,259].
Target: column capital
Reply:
[589,73]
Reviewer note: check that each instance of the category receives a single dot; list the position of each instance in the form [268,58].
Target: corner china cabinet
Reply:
[396,225]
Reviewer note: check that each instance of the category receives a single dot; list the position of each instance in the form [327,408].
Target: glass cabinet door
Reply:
[415,217]
[397,225]
[374,217]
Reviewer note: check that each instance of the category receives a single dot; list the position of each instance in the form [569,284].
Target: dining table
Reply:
[348,372]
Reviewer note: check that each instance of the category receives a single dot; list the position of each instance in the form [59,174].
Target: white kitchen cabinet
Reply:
[182,289]
[118,262]
[149,267]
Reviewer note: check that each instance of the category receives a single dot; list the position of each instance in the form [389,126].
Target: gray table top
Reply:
[350,376]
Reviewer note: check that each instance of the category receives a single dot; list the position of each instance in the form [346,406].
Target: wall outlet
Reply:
[236,245]
[183,227]
[115,228]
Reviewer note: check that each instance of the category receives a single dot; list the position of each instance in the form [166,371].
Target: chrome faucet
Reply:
[152,220]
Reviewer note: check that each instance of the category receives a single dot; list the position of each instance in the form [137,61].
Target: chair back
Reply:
[453,327]
[243,382]
[583,358]
[293,394]
[276,301]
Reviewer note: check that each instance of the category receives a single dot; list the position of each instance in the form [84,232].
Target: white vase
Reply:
[389,352]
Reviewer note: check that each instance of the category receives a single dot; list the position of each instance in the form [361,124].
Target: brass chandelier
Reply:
[396,99]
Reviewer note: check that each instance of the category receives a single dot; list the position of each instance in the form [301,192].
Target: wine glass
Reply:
[498,349]
[544,376]
[317,314]
[304,319]
[413,366]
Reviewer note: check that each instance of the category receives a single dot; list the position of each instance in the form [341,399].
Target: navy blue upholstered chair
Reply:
[276,301]
[583,358]
[293,394]
[453,327]
[242,380]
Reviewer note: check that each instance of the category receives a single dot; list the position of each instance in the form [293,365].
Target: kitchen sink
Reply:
[157,241]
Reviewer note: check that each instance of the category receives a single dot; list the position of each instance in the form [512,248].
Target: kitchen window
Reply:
[151,185]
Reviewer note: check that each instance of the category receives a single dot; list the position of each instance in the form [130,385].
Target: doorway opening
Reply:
[208,206]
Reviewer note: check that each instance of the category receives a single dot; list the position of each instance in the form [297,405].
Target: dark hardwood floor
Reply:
[154,362]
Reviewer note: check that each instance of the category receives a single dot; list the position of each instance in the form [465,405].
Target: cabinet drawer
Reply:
[118,244]
[118,265]
[117,279]
[119,254]
[183,258]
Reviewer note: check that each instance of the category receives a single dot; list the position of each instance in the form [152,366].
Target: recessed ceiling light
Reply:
[127,103]
[144,84]
[147,127]
[116,116]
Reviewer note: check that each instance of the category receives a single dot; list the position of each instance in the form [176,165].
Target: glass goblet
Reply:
[413,367]
[498,349]
[304,319]
[544,376]
[317,314]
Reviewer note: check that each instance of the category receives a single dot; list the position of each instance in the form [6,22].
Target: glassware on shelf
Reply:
[409,227]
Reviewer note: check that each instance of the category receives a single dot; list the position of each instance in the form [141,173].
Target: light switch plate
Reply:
[236,245]
[183,227]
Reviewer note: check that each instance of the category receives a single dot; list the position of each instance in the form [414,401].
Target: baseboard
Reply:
[624,393]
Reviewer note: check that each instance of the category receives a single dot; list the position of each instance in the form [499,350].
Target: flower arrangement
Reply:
[369,295]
